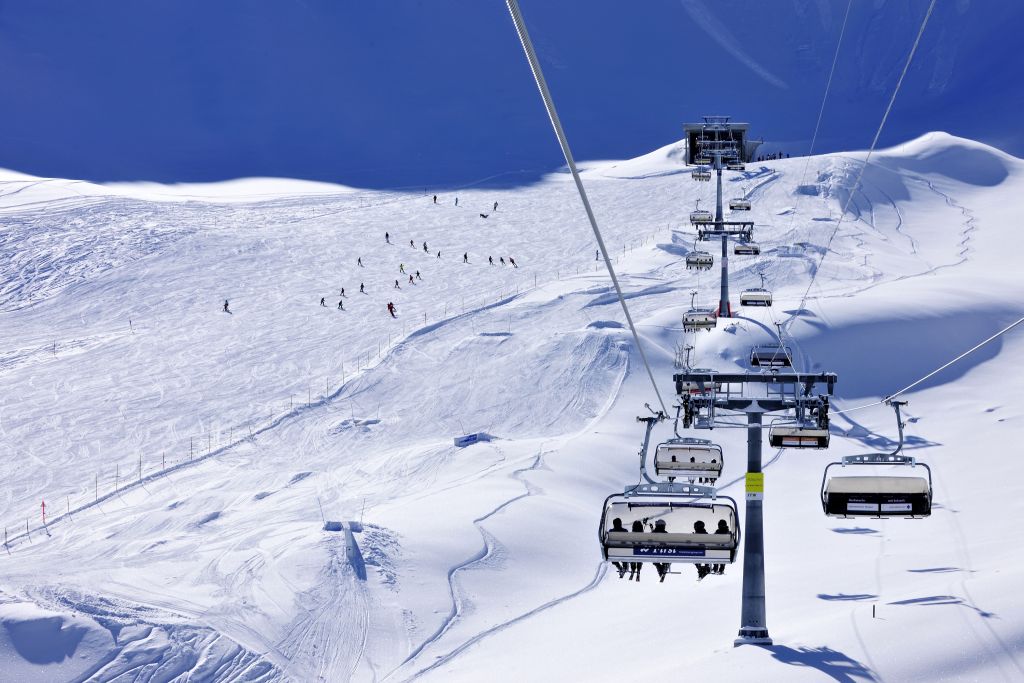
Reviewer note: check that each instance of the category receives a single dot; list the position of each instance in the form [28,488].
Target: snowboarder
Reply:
[621,566]
[360,261]
[465,259]
[226,306]
[635,567]
[435,199]
[512,261]
[425,250]
[495,206]
[702,569]
[322,303]
[341,304]
[387,238]
[391,309]
[396,285]
[361,290]
[490,259]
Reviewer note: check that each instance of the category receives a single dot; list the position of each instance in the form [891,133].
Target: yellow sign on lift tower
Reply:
[755,485]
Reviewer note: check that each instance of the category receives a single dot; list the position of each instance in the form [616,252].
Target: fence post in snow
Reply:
[117,475]
[343,368]
[163,461]
[190,448]
[140,468]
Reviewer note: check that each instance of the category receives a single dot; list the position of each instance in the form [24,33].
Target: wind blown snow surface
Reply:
[189,458]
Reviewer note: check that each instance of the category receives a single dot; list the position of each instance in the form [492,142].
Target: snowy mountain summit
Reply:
[247,464]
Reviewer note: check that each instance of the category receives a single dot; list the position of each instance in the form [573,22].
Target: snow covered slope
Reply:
[482,562]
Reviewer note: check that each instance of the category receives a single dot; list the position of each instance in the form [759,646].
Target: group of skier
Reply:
[662,568]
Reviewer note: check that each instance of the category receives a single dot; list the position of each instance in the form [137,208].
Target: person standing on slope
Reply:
[391,309]
[435,199]
[322,303]
[362,290]
[341,304]
[226,306]
[465,259]
[495,206]
[387,238]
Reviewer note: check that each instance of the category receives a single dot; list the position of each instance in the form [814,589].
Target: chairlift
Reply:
[746,249]
[701,217]
[807,434]
[701,175]
[699,260]
[735,166]
[702,161]
[687,458]
[756,296]
[878,496]
[739,204]
[700,319]
[771,356]
[695,388]
[667,517]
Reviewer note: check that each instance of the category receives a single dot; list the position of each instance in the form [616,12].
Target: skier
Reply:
[360,261]
[435,199]
[456,201]
[662,567]
[490,259]
[465,259]
[401,267]
[343,291]
[391,309]
[396,285]
[635,567]
[702,569]
[621,566]
[387,238]
[438,254]
[361,290]
[418,276]
[322,302]
[723,528]
[512,261]
[495,206]
[411,282]
[425,250]
[412,244]
[502,259]
[226,306]
[341,304]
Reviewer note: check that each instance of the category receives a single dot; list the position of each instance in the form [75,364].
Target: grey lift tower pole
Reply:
[779,391]
[724,310]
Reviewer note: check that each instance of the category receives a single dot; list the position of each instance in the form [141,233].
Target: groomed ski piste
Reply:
[232,437]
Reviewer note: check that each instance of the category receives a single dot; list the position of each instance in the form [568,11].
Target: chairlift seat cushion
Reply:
[699,466]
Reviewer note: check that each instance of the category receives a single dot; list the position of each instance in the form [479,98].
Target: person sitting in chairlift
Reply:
[662,567]
[702,569]
[620,566]
[723,528]
[635,567]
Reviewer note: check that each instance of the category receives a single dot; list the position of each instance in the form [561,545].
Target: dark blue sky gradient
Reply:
[416,93]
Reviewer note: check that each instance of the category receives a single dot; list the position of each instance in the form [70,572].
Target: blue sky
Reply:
[417,93]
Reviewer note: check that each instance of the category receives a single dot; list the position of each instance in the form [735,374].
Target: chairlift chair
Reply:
[695,388]
[701,175]
[739,204]
[649,504]
[755,296]
[771,356]
[700,319]
[746,249]
[690,459]
[701,216]
[702,161]
[735,166]
[799,435]
[878,496]
[699,260]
